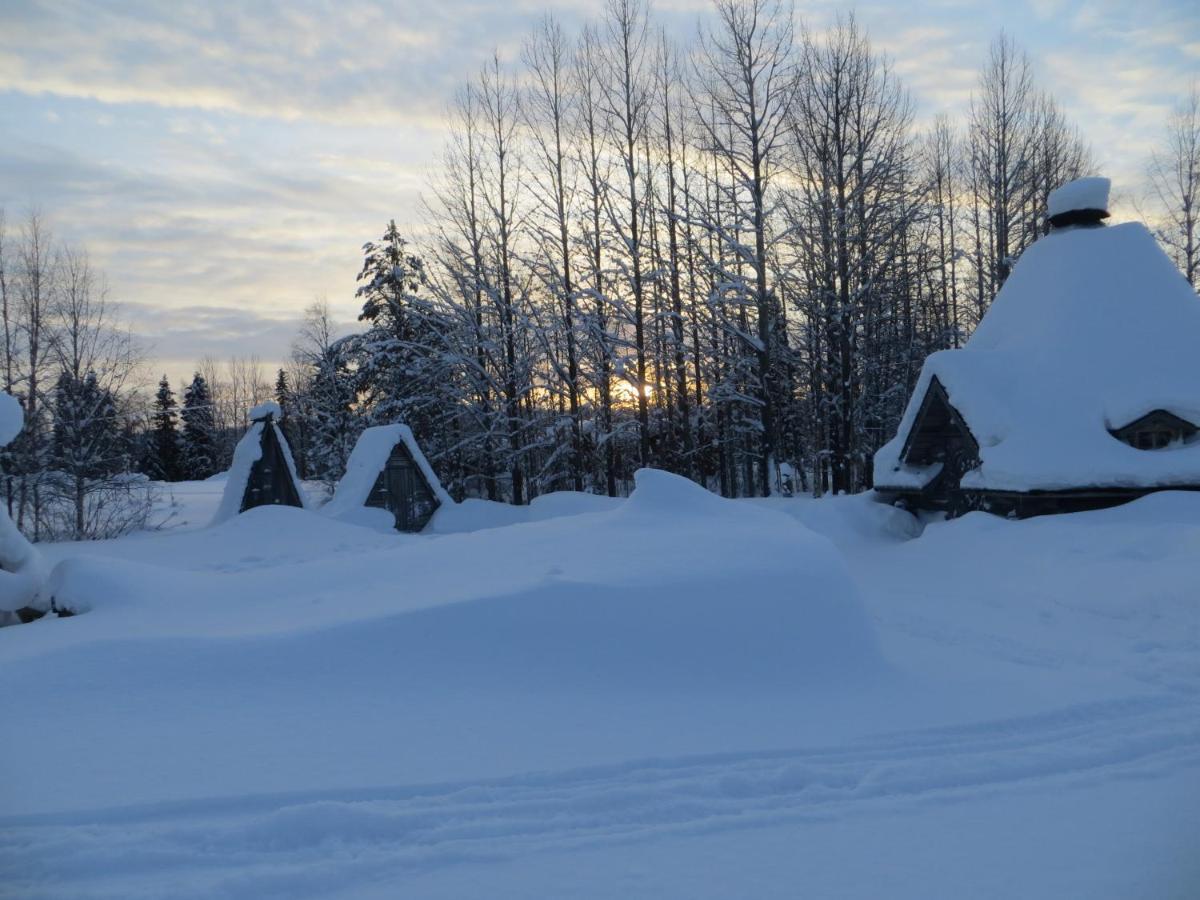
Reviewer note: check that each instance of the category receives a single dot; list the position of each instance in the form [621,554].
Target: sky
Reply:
[223,162]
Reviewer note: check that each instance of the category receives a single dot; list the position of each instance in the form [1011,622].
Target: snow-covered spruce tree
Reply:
[89,492]
[399,358]
[198,438]
[164,461]
[328,402]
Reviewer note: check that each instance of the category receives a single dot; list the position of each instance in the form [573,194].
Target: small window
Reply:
[1156,431]
[1154,440]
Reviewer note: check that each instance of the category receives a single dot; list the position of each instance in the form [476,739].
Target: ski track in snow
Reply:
[319,843]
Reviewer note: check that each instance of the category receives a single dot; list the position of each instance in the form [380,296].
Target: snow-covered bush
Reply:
[22,570]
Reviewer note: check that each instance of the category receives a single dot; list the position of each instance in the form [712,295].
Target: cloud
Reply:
[351,62]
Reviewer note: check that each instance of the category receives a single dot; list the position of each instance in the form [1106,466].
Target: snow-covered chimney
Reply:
[1083,201]
[264,412]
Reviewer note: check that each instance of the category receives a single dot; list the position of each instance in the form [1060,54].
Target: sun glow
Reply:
[627,391]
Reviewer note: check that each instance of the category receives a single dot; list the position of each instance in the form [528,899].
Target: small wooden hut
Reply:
[388,471]
[1080,388]
[263,473]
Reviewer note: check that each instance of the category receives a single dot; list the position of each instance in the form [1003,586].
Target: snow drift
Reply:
[674,588]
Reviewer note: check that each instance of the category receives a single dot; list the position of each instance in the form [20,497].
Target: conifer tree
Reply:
[164,463]
[199,430]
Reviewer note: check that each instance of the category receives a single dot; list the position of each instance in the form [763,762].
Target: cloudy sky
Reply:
[224,161]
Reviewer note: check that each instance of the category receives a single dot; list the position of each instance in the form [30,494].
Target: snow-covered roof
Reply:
[1094,328]
[366,461]
[1080,194]
[247,452]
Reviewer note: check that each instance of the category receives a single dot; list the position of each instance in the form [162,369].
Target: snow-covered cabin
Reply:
[388,471]
[263,472]
[1079,389]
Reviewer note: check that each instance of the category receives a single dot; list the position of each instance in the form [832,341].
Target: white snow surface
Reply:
[1080,194]
[473,514]
[366,461]
[674,696]
[1094,328]
[247,452]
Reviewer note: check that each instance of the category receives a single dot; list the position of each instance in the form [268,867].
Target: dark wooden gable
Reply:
[401,488]
[1155,430]
[270,482]
[938,432]
[940,435]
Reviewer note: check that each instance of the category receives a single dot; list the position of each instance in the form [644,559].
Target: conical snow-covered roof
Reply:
[1094,329]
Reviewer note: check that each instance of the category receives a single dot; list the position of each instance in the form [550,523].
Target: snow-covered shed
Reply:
[387,470]
[263,472]
[22,569]
[1079,389]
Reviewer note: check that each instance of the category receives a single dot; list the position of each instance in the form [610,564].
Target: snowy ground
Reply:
[673,696]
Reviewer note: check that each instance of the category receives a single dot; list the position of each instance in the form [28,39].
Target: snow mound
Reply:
[851,521]
[676,590]
[663,493]
[12,419]
[1080,194]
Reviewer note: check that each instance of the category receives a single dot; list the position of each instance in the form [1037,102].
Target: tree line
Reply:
[727,259]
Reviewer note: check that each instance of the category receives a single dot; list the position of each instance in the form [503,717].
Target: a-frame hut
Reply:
[1079,389]
[263,472]
[387,470]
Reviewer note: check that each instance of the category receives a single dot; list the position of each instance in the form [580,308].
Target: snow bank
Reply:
[1094,329]
[675,589]
[1080,194]
[851,521]
[366,461]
